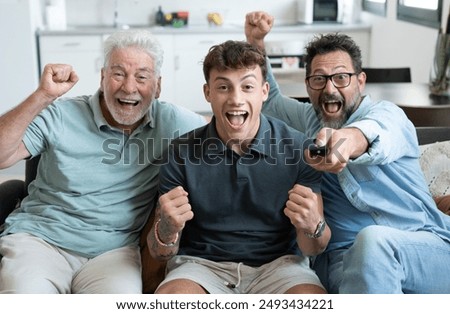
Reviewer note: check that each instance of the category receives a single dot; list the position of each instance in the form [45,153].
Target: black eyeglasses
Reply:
[339,80]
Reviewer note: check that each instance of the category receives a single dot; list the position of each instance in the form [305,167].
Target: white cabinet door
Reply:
[84,53]
[189,54]
[168,88]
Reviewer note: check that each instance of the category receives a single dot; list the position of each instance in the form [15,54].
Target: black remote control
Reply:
[315,150]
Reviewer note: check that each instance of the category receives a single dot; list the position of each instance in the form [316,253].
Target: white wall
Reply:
[398,43]
[18,53]
[18,60]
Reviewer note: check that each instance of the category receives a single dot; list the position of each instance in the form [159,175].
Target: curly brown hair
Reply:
[233,55]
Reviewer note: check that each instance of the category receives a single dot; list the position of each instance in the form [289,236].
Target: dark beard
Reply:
[339,122]
[336,123]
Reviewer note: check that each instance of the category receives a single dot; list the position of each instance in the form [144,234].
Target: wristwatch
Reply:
[319,230]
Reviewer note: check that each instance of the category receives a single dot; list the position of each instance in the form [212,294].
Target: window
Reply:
[377,7]
[422,12]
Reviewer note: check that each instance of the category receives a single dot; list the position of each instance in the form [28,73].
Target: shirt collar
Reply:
[366,101]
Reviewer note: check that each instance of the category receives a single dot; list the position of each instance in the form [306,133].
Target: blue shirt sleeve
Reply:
[299,115]
[391,135]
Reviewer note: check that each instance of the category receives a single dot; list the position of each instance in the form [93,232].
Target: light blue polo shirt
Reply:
[95,186]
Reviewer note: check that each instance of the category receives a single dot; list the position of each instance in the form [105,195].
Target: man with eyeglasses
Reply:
[387,234]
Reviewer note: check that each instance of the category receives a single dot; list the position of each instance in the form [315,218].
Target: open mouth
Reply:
[128,102]
[237,118]
[331,106]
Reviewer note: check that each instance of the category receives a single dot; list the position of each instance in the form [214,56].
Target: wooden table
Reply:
[422,108]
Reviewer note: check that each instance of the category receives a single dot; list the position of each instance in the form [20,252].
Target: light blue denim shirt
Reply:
[95,186]
[385,185]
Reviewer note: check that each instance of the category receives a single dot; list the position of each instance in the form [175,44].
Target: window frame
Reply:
[425,17]
[375,7]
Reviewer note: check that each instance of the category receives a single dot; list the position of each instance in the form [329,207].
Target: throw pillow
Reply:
[435,163]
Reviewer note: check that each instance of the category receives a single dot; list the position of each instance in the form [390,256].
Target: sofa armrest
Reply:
[11,193]
[153,270]
[432,134]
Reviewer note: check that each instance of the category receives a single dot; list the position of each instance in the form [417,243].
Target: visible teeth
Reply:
[236,113]
[236,118]
[128,101]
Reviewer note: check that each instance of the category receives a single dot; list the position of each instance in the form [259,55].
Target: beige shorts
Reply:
[32,265]
[277,276]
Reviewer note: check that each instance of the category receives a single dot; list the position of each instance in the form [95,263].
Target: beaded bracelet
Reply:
[159,240]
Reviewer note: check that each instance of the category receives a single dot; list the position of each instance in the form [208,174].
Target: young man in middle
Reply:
[240,211]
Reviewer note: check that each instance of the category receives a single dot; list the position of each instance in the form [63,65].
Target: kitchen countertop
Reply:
[200,29]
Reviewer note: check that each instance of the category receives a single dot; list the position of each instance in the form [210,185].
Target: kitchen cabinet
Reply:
[83,52]
[168,69]
[189,80]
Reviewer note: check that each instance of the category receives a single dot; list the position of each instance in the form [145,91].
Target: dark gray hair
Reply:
[326,43]
[139,38]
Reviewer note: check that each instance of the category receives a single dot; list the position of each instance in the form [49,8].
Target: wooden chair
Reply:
[388,75]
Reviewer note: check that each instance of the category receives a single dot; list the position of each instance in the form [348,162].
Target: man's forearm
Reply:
[13,125]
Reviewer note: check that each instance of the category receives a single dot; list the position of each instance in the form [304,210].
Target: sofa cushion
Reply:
[435,163]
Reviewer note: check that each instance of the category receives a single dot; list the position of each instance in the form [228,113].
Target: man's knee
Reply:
[373,243]
[373,238]
[177,286]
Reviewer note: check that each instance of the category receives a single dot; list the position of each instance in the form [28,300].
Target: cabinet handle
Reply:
[71,44]
[177,63]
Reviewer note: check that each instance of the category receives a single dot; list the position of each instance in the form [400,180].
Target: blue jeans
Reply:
[387,260]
